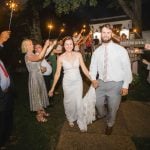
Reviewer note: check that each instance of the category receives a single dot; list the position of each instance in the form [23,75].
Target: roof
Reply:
[109,19]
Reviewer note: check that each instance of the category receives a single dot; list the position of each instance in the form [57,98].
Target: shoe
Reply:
[108,130]
[44,113]
[71,124]
[98,117]
[40,118]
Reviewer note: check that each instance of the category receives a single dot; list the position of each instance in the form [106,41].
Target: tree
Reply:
[34,7]
[65,6]
[131,8]
[134,10]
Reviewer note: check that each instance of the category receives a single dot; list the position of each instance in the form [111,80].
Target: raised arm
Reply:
[33,57]
[56,77]
[80,34]
[49,49]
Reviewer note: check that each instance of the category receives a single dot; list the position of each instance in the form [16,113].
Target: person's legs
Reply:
[5,127]
[113,105]
[2,128]
[6,118]
[114,98]
[8,124]
[100,100]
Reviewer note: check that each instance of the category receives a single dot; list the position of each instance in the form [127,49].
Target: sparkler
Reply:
[12,6]
[50,26]
[61,31]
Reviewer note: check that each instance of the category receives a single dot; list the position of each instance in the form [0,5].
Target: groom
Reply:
[111,63]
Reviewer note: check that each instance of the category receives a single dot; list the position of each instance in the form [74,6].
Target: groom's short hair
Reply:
[107,26]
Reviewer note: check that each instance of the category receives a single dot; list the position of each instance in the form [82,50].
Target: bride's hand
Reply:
[50,93]
[95,83]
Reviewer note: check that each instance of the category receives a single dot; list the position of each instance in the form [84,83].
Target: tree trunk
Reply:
[36,30]
[134,13]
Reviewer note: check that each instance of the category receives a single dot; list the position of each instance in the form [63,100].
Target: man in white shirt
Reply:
[112,64]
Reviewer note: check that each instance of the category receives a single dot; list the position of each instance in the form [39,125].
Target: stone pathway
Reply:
[133,120]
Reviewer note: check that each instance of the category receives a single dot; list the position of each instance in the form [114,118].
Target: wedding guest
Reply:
[37,90]
[148,68]
[6,96]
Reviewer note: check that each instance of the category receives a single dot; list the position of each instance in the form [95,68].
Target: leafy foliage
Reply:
[64,7]
[136,80]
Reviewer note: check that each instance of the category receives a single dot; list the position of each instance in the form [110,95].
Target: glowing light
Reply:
[12,5]
[84,26]
[134,30]
[75,33]
[62,30]
[50,26]
[84,30]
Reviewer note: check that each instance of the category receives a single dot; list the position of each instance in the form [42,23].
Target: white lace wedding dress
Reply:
[77,108]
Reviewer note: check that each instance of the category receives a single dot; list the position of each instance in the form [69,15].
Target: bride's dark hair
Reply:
[68,38]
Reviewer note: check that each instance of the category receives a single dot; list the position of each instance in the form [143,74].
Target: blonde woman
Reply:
[37,89]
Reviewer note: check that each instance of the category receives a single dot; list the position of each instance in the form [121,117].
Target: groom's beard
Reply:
[106,40]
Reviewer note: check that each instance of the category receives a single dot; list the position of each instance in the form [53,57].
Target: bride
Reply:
[77,108]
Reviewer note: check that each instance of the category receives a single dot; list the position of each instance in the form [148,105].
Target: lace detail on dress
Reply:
[87,114]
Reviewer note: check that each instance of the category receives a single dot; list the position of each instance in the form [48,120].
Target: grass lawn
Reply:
[30,134]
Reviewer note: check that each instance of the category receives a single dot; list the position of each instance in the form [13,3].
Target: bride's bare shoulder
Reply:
[61,57]
[78,54]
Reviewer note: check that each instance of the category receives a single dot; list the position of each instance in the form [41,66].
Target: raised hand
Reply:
[55,42]
[147,46]
[47,42]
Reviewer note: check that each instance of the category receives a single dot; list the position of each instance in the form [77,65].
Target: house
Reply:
[121,24]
